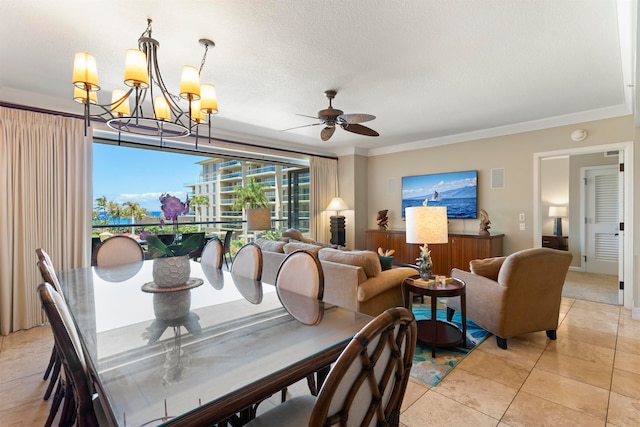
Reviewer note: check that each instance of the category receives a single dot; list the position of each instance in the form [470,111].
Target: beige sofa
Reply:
[352,279]
[515,295]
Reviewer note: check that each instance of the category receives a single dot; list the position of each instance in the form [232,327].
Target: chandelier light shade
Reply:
[85,72]
[167,118]
[80,95]
[135,69]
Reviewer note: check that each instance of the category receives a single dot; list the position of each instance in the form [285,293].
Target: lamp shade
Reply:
[558,211]
[190,83]
[80,95]
[85,72]
[196,113]
[120,102]
[161,108]
[208,99]
[337,204]
[135,69]
[258,219]
[427,224]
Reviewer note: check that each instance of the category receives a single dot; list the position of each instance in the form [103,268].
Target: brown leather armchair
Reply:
[515,295]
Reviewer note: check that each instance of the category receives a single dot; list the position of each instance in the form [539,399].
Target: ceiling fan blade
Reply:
[303,126]
[327,133]
[356,118]
[362,130]
[304,115]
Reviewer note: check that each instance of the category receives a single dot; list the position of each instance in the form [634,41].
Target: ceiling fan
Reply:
[331,117]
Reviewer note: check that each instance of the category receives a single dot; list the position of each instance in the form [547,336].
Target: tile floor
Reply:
[590,376]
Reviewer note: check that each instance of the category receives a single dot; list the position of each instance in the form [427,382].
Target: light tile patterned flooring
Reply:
[590,376]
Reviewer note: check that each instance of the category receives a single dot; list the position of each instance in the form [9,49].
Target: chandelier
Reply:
[143,78]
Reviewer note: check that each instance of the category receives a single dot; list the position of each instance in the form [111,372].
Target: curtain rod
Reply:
[228,141]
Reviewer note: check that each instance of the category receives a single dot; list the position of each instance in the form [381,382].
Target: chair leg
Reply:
[450,313]
[52,361]
[55,404]
[502,342]
[55,375]
[551,334]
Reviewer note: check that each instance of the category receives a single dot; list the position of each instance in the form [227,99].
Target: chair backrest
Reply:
[213,254]
[227,241]
[69,349]
[248,262]
[44,256]
[49,275]
[118,250]
[368,381]
[301,272]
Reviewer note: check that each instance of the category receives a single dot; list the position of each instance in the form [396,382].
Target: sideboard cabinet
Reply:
[460,249]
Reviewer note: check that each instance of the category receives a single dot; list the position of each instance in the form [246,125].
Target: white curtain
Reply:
[324,187]
[45,201]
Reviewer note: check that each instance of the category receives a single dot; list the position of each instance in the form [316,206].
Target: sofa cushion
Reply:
[271,245]
[295,246]
[488,267]
[366,259]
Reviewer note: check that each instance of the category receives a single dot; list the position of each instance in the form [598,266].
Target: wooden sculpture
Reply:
[484,223]
[383,219]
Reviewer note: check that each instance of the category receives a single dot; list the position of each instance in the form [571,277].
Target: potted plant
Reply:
[253,200]
[171,266]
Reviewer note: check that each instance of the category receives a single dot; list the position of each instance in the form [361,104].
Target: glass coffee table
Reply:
[438,333]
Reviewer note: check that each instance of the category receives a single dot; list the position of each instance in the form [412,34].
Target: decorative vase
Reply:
[171,271]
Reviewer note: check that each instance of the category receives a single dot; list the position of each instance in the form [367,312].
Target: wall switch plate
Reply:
[522,228]
[521,217]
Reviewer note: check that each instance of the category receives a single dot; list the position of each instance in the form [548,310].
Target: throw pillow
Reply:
[294,234]
[271,245]
[488,267]
[294,246]
[385,262]
[366,259]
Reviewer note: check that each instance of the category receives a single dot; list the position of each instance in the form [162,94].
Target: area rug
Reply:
[431,371]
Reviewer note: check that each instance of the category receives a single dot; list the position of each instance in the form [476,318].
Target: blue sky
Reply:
[133,174]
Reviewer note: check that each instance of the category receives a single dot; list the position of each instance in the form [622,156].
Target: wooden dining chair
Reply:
[78,389]
[301,274]
[213,254]
[118,250]
[365,386]
[227,247]
[248,262]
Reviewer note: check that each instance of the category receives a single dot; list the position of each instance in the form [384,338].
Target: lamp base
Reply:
[337,230]
[557,229]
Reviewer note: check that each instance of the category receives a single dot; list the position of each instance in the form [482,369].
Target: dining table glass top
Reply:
[158,355]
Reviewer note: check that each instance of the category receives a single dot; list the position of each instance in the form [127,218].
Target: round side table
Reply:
[433,331]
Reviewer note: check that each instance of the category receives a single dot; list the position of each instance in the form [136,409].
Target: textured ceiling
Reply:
[432,71]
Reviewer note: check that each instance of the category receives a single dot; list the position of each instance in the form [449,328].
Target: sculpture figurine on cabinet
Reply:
[382,219]
[484,223]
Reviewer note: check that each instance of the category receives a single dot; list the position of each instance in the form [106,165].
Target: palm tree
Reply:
[114,209]
[101,205]
[198,202]
[134,211]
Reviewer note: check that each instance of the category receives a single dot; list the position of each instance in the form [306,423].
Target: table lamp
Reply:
[426,224]
[557,212]
[337,221]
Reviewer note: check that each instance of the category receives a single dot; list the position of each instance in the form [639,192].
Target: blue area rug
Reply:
[431,371]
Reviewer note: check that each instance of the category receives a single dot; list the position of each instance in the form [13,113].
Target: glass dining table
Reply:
[200,355]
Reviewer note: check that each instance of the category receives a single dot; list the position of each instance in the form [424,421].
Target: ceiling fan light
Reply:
[85,72]
[208,99]
[161,108]
[80,95]
[190,83]
[136,73]
[120,101]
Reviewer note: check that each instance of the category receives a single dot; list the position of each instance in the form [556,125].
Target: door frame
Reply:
[627,258]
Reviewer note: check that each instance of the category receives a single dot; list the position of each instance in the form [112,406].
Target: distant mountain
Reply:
[456,193]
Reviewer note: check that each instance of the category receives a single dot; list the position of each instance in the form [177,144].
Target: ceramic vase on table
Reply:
[171,271]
